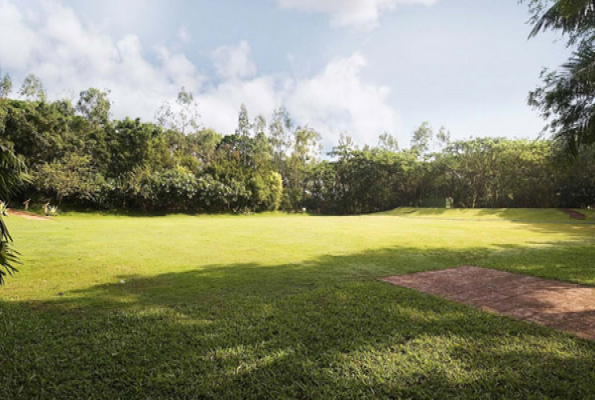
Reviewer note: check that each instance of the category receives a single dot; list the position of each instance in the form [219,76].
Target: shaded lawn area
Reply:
[280,307]
[538,215]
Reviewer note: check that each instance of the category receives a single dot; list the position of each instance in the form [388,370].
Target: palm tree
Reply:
[11,176]
[575,18]
[567,97]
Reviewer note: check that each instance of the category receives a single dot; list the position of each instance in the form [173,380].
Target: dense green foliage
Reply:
[276,306]
[567,96]
[11,176]
[79,156]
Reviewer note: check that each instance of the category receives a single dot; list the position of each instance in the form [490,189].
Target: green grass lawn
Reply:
[284,306]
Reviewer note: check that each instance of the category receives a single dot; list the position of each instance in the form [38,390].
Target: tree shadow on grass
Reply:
[541,220]
[322,329]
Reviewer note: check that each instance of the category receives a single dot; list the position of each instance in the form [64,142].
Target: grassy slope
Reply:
[283,306]
[515,214]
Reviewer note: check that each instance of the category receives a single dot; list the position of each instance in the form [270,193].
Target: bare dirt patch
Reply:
[574,214]
[28,215]
[560,305]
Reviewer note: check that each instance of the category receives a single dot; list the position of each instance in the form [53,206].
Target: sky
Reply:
[363,67]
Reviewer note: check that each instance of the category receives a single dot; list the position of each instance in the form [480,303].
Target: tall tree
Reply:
[243,132]
[422,138]
[5,85]
[280,140]
[306,148]
[567,96]
[33,89]
[181,116]
[279,133]
[95,106]
[388,142]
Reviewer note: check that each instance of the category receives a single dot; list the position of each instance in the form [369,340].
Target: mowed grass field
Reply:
[284,306]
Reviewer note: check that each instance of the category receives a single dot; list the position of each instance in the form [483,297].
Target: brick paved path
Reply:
[565,306]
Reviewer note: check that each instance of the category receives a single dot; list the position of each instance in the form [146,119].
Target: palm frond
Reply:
[8,257]
[569,16]
[11,172]
[11,177]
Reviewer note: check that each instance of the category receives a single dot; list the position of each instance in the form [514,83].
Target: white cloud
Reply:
[359,13]
[220,104]
[70,56]
[234,61]
[337,100]
[18,42]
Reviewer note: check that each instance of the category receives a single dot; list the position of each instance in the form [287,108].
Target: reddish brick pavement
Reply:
[565,306]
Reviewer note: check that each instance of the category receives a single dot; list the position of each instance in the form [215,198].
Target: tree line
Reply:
[77,155]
